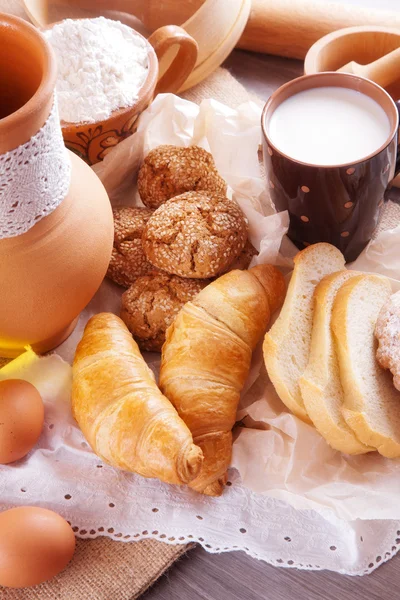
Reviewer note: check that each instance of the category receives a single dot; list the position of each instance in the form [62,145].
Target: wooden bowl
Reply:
[92,141]
[361,44]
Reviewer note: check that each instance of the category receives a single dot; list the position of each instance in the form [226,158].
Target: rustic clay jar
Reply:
[50,273]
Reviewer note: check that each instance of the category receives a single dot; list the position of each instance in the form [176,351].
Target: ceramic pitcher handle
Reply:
[162,40]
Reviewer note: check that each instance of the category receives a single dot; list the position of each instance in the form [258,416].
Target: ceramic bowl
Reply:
[92,141]
[362,44]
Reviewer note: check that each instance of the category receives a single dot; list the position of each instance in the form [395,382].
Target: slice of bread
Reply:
[287,344]
[371,403]
[320,384]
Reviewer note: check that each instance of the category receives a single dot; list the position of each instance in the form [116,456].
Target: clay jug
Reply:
[49,273]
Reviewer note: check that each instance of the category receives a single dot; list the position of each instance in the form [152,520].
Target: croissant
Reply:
[206,360]
[121,411]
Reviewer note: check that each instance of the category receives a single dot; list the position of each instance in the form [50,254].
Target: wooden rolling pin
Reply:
[281,27]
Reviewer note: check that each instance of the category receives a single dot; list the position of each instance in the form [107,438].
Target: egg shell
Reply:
[35,545]
[21,419]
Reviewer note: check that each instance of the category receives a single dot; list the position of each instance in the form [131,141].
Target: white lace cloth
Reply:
[263,527]
[64,475]
[292,501]
[34,178]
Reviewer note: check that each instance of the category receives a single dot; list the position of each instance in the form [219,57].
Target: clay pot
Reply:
[93,141]
[51,272]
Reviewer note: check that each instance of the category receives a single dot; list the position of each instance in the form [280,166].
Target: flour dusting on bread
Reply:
[387,331]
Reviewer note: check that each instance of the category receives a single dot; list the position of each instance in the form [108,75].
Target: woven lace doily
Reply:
[34,178]
[98,500]
[63,474]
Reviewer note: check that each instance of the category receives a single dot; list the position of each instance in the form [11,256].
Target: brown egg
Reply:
[35,545]
[21,419]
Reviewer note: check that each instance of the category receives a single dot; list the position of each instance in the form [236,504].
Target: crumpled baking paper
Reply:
[275,453]
[233,138]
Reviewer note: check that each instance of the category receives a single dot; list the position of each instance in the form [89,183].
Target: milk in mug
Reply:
[329,126]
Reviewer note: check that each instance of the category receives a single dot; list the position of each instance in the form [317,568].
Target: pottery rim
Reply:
[316,51]
[332,78]
[19,126]
[144,93]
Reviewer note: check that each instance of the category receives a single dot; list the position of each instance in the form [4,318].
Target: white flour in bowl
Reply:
[102,65]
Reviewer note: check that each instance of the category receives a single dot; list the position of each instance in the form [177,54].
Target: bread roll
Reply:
[128,261]
[150,305]
[195,235]
[169,171]
[387,332]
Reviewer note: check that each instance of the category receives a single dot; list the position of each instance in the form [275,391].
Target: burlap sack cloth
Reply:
[103,569]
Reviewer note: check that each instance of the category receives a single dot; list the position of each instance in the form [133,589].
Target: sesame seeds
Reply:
[166,256]
[151,304]
[243,260]
[195,235]
[169,171]
[128,261]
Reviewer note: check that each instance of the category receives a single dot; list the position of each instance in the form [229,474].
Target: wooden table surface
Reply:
[235,576]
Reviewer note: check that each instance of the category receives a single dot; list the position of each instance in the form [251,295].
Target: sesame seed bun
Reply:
[128,261]
[169,171]
[195,235]
[150,305]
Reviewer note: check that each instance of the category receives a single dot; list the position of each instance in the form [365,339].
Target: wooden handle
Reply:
[152,13]
[281,27]
[163,40]
[217,27]
[383,71]
[37,11]
[290,27]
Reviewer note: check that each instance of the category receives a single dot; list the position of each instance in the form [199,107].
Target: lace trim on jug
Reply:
[34,178]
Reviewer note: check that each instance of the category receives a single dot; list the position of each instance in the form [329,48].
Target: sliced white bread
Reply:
[320,384]
[287,344]
[371,404]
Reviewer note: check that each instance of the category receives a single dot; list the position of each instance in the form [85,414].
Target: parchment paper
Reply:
[233,138]
[275,453]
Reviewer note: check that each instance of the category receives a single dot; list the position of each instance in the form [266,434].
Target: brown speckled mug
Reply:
[339,204]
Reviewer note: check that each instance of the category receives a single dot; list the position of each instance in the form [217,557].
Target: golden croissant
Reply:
[121,411]
[206,360]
